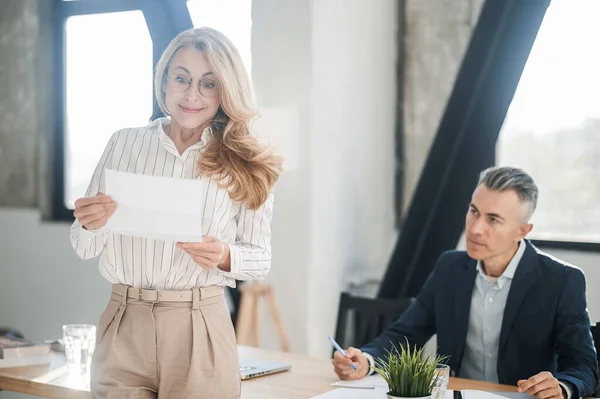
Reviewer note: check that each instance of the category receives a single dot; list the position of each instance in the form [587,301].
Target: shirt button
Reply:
[491,299]
[490,355]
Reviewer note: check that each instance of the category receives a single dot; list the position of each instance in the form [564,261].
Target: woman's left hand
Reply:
[209,253]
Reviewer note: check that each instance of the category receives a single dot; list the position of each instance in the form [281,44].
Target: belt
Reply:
[155,296]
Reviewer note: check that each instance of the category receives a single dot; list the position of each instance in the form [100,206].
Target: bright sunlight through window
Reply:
[233,18]
[552,128]
[108,87]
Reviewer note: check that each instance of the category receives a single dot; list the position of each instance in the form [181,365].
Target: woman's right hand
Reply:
[93,212]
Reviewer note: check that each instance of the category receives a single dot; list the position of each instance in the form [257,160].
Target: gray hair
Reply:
[504,178]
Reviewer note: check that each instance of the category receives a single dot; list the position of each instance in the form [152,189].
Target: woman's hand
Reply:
[93,212]
[209,253]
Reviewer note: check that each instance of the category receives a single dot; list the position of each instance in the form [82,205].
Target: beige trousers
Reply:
[166,349]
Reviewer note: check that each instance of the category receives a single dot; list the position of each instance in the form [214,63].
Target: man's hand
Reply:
[542,386]
[341,364]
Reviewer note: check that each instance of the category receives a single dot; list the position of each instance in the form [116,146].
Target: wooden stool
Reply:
[247,326]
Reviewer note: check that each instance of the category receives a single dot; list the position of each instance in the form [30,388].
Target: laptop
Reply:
[250,368]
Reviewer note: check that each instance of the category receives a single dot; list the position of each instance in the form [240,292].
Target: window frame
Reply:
[579,246]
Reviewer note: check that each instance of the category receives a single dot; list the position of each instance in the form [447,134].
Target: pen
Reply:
[339,349]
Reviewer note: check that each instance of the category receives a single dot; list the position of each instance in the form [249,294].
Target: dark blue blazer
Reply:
[545,326]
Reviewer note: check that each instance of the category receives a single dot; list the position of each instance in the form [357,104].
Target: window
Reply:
[233,18]
[108,83]
[552,128]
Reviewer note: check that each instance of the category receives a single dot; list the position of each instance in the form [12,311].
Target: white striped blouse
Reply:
[157,264]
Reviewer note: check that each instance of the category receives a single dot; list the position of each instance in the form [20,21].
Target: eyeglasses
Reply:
[181,83]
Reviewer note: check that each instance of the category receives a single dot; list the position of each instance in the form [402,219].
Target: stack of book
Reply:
[16,352]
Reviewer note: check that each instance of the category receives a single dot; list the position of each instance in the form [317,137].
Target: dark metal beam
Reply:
[465,142]
[69,8]
[579,246]
[165,19]
[59,210]
[399,151]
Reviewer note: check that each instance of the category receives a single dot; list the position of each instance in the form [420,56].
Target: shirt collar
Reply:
[160,123]
[510,270]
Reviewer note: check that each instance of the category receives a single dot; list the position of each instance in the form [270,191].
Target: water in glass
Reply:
[79,341]
[442,373]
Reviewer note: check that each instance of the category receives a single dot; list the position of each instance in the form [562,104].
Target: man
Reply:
[503,311]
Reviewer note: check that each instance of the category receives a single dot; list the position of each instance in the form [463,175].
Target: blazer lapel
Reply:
[465,282]
[522,281]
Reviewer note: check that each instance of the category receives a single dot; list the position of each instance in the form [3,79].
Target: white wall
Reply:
[333,63]
[281,57]
[43,284]
[351,151]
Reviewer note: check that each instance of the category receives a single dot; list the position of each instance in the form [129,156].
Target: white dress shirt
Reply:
[157,264]
[488,301]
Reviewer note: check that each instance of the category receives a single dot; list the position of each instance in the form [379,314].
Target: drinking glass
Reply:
[442,373]
[79,341]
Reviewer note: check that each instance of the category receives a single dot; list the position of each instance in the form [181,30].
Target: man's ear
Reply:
[524,230]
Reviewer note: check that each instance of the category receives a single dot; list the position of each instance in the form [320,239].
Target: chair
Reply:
[595,329]
[248,322]
[360,320]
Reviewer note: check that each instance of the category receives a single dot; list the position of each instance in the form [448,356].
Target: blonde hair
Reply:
[234,158]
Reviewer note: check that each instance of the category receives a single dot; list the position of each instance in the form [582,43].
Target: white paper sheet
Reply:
[352,393]
[474,394]
[162,208]
[370,382]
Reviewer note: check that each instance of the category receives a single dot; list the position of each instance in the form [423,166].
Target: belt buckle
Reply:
[141,294]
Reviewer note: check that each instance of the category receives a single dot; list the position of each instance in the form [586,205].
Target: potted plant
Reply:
[408,373]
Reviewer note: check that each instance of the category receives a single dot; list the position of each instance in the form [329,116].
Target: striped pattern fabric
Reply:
[157,264]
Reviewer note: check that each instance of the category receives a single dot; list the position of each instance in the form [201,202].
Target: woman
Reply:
[166,331]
